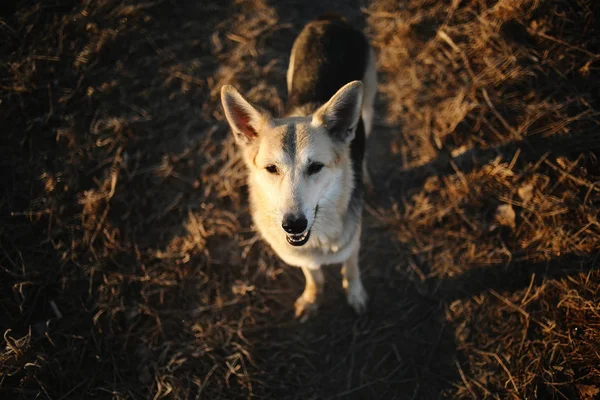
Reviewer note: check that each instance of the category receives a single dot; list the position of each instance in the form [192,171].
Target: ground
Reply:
[129,266]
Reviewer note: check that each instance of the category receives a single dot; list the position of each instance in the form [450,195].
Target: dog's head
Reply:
[297,164]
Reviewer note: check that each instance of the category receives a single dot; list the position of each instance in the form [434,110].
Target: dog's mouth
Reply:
[298,240]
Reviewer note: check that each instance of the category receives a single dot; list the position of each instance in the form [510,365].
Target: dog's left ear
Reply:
[341,113]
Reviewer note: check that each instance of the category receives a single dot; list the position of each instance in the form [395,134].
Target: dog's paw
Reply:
[306,308]
[357,297]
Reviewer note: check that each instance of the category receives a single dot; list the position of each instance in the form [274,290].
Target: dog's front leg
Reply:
[307,305]
[357,295]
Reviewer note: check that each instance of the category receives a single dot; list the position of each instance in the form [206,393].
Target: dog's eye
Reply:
[314,168]
[272,169]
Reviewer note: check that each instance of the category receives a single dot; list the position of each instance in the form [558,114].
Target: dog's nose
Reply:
[294,225]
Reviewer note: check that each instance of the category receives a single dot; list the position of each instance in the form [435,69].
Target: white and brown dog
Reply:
[306,169]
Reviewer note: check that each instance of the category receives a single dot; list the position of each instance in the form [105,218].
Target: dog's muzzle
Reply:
[296,230]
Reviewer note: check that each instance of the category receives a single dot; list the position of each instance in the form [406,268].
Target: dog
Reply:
[306,169]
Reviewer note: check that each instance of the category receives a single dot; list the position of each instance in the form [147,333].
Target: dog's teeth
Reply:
[300,238]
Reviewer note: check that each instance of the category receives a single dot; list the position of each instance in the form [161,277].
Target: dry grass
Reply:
[128,264]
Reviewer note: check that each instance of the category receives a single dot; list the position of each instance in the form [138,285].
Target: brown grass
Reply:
[129,267]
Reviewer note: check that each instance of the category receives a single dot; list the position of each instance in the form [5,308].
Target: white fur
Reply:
[370,91]
[290,72]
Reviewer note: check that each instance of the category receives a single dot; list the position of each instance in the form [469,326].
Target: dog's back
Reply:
[327,54]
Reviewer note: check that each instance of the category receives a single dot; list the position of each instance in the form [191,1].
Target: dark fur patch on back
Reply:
[329,53]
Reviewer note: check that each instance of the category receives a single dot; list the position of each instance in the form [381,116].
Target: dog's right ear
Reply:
[245,119]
